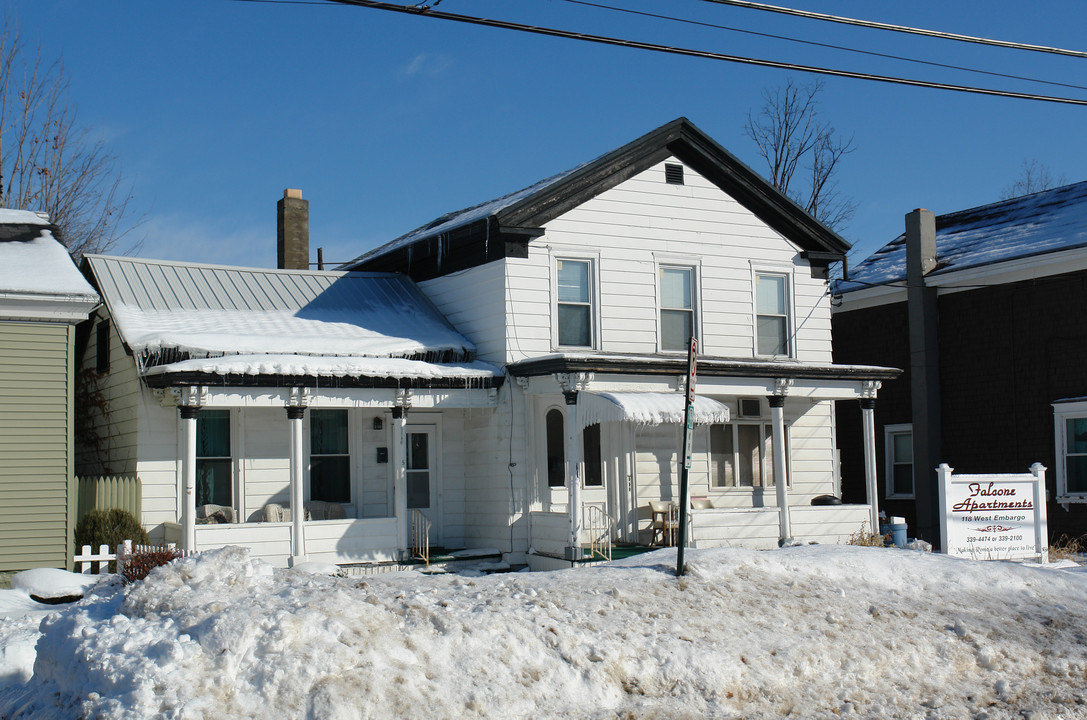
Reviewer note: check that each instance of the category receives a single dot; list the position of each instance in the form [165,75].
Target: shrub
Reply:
[1067,547]
[109,527]
[868,539]
[140,562]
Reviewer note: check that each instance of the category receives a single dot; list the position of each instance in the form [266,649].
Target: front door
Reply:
[422,477]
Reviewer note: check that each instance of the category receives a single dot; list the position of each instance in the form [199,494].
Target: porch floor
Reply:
[619,551]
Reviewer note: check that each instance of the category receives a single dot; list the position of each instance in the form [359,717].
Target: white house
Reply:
[550,418]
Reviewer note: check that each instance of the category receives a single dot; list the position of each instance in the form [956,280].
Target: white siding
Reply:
[108,430]
[642,222]
[474,302]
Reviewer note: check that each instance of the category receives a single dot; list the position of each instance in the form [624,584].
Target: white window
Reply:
[677,304]
[574,309]
[742,455]
[330,456]
[898,449]
[1070,434]
[772,319]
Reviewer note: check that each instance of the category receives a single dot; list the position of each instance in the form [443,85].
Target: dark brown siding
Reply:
[1006,353]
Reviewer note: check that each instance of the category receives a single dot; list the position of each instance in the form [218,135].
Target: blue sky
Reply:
[386,121]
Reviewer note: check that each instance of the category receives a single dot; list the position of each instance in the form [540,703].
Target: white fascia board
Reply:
[871,297]
[46,308]
[1000,273]
[1011,271]
[384,398]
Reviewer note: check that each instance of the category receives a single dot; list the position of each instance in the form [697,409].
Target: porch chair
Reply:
[665,522]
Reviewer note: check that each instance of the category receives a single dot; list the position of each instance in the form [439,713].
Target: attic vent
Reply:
[673,174]
[750,407]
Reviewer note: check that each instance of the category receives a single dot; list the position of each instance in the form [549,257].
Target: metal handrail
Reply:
[599,525]
[420,537]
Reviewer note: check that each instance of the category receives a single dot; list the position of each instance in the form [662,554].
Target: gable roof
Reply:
[503,227]
[168,312]
[1027,226]
[38,279]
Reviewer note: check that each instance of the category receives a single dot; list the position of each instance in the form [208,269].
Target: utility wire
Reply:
[830,46]
[899,28]
[605,40]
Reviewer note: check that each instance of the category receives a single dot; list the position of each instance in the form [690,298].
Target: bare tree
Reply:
[48,162]
[802,151]
[1035,177]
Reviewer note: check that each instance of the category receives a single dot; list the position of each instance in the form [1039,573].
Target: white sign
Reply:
[994,517]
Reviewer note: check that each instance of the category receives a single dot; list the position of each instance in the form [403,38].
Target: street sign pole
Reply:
[685,468]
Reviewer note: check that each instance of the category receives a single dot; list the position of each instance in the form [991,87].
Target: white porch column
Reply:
[188,474]
[400,477]
[777,418]
[868,423]
[573,479]
[295,413]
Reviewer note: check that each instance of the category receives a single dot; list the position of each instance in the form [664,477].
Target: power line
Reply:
[899,28]
[829,46]
[425,11]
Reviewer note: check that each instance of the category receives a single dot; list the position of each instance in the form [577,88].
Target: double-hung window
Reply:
[677,303]
[330,456]
[742,455]
[575,302]
[898,447]
[214,462]
[772,321]
[1070,434]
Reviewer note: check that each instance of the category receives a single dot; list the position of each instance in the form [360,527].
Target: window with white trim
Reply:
[330,456]
[742,455]
[594,467]
[574,306]
[677,306]
[1070,435]
[772,317]
[898,453]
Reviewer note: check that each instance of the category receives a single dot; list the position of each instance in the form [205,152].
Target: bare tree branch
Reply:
[790,137]
[1035,177]
[48,162]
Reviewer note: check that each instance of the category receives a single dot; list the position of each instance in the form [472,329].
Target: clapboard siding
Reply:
[107,403]
[473,301]
[642,222]
[36,461]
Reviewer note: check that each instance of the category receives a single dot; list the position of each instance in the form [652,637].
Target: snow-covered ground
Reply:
[808,632]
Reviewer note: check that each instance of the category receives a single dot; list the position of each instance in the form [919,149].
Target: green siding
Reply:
[35,444]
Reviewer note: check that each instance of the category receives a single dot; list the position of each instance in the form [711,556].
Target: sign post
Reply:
[994,517]
[685,467]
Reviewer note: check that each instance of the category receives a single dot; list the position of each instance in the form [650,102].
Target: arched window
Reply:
[556,448]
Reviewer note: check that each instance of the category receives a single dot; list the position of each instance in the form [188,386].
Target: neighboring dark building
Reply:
[993,341]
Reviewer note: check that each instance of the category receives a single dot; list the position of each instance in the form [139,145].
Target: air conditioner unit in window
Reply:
[750,408]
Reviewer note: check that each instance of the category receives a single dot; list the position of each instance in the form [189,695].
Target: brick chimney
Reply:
[292,231]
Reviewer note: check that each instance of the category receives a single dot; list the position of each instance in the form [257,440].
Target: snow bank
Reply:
[813,632]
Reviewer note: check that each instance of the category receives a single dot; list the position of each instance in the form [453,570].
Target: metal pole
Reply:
[685,467]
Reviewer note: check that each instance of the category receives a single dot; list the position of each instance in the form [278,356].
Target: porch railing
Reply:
[420,537]
[598,525]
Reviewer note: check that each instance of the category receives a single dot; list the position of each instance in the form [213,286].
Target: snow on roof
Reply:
[32,261]
[209,311]
[460,218]
[306,365]
[1044,222]
[646,408]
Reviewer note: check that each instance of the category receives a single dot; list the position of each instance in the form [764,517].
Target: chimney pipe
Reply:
[292,231]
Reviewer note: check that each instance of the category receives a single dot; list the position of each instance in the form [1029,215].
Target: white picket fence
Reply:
[87,559]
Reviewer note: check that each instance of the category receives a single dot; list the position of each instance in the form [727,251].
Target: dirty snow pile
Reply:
[810,632]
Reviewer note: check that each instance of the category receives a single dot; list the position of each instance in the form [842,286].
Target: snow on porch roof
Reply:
[331,367]
[208,311]
[645,408]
